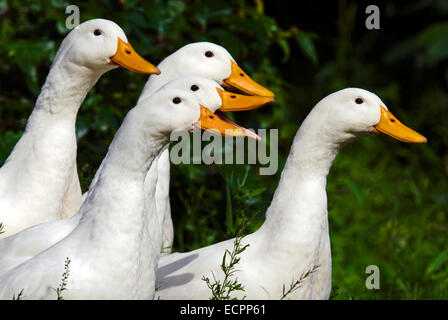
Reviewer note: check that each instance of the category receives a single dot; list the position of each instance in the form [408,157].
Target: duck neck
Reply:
[170,70]
[115,201]
[47,149]
[297,219]
[50,129]
[65,88]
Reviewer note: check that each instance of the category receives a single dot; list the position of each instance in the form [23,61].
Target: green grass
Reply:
[296,284]
[63,285]
[223,290]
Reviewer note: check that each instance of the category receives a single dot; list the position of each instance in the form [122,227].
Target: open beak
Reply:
[239,102]
[210,121]
[240,80]
[128,58]
[391,126]
[259,96]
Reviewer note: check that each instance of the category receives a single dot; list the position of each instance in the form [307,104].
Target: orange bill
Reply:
[128,58]
[240,80]
[391,126]
[239,102]
[211,121]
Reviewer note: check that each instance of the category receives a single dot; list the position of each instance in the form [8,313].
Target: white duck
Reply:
[211,61]
[23,245]
[294,237]
[111,249]
[39,179]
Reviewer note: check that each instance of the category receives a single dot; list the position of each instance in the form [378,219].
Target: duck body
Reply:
[24,245]
[91,276]
[35,178]
[175,279]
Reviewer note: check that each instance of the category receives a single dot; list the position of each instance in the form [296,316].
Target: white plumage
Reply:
[294,238]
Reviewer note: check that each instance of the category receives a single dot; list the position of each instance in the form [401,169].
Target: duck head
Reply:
[214,62]
[207,60]
[101,45]
[353,112]
[210,96]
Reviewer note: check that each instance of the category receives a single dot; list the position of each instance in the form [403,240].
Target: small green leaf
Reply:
[306,44]
[437,262]
[283,43]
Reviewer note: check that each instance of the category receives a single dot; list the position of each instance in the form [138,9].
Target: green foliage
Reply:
[18,297]
[387,200]
[223,290]
[1,228]
[64,279]
[295,284]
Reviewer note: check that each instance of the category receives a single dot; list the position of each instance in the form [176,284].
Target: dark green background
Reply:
[387,199]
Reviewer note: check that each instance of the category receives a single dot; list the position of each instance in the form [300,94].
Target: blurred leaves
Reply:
[305,42]
[430,45]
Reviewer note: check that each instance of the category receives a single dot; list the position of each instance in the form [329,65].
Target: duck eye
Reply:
[359,100]
[209,54]
[97,32]
[194,88]
[177,100]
